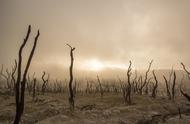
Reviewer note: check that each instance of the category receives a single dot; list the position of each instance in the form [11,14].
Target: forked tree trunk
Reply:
[146,77]
[20,83]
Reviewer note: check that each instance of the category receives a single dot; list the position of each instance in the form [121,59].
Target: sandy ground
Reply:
[92,109]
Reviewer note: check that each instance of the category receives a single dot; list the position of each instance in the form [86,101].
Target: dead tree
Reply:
[87,87]
[100,87]
[7,77]
[127,96]
[185,94]
[45,82]
[1,69]
[170,77]
[13,80]
[29,84]
[75,88]
[71,97]
[139,85]
[182,92]
[154,86]
[58,87]
[34,89]
[147,86]
[167,88]
[173,86]
[21,80]
[121,86]
[146,77]
[1,75]
[134,84]
[184,68]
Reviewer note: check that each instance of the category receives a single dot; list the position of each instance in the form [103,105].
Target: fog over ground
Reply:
[106,34]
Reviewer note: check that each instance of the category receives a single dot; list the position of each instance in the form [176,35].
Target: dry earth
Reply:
[91,109]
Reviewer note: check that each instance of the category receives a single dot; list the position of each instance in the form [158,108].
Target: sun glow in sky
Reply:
[95,64]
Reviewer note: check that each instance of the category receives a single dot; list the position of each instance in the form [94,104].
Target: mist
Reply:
[108,31]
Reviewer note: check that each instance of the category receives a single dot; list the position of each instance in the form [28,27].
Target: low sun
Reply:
[93,65]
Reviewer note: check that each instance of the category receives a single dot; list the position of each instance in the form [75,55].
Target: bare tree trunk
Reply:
[173,86]
[45,82]
[167,88]
[127,87]
[146,77]
[155,86]
[75,88]
[182,92]
[34,89]
[184,68]
[129,84]
[135,82]
[185,94]
[100,87]
[71,97]
[20,84]
[170,77]
[13,80]
[147,86]
[139,85]
[7,77]
[87,87]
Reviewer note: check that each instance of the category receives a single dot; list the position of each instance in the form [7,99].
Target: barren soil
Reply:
[92,109]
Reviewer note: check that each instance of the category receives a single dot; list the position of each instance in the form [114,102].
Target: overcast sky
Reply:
[106,33]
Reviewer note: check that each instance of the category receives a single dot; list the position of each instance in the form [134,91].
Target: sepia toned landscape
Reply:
[94,62]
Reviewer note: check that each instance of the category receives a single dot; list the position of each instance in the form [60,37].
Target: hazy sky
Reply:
[106,33]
